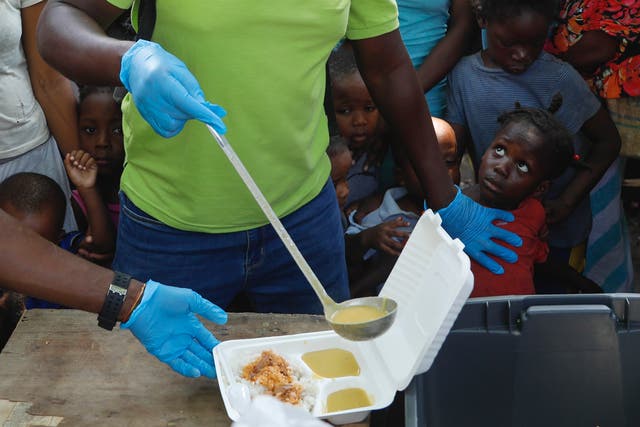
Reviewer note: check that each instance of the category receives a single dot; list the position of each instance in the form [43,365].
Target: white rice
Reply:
[299,373]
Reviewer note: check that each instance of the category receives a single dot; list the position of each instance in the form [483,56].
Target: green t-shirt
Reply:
[264,62]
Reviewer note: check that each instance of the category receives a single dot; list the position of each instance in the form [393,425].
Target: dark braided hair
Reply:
[558,141]
[504,9]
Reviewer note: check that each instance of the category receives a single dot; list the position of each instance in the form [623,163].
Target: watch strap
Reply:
[113,301]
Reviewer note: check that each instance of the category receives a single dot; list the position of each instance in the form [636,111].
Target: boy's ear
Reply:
[541,189]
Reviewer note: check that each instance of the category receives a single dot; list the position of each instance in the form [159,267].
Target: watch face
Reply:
[117,289]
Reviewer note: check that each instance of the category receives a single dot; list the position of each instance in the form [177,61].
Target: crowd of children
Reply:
[538,137]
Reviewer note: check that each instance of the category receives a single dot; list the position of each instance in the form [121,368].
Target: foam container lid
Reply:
[431,281]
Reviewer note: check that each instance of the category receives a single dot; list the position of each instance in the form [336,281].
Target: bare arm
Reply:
[52,90]
[446,54]
[86,54]
[82,171]
[34,266]
[392,81]
[605,147]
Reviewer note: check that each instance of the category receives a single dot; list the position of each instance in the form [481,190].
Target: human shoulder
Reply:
[466,64]
[530,210]
[562,70]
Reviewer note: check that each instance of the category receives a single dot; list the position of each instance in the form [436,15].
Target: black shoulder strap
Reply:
[328,103]
[146,19]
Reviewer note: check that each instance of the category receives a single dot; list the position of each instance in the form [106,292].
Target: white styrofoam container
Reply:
[430,282]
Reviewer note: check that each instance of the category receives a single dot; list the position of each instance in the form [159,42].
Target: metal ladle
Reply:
[352,331]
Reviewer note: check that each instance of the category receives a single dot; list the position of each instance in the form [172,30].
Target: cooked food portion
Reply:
[272,371]
[348,398]
[332,363]
[357,314]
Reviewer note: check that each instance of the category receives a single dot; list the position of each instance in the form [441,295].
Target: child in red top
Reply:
[530,149]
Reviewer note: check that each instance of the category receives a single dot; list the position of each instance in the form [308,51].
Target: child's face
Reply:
[100,123]
[340,164]
[356,114]
[448,147]
[450,156]
[512,168]
[48,223]
[515,43]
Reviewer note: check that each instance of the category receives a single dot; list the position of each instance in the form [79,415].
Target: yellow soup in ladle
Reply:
[357,314]
[332,363]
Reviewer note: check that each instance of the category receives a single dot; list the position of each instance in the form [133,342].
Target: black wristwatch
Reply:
[113,301]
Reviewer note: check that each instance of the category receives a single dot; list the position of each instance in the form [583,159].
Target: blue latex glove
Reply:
[473,225]
[165,322]
[164,90]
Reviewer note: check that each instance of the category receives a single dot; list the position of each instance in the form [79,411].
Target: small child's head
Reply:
[516,31]
[448,147]
[340,156]
[356,115]
[406,175]
[100,124]
[530,149]
[35,200]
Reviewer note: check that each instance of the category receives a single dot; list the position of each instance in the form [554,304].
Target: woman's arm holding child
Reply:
[605,147]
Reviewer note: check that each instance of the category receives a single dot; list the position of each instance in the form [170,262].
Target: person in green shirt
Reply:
[186,216]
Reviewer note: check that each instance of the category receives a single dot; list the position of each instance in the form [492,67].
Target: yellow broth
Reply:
[357,314]
[332,363]
[349,398]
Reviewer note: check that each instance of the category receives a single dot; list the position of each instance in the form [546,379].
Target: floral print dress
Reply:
[620,77]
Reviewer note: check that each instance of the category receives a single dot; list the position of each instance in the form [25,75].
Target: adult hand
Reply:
[164,90]
[165,322]
[473,225]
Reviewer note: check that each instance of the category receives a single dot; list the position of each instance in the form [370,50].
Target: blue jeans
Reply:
[219,266]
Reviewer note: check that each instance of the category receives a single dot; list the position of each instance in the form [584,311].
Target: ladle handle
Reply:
[273,218]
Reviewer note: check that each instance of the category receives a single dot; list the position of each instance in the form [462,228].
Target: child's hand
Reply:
[386,237]
[81,168]
[88,251]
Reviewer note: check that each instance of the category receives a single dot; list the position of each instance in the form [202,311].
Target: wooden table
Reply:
[59,368]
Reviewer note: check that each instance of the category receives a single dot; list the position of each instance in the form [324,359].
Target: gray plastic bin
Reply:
[548,360]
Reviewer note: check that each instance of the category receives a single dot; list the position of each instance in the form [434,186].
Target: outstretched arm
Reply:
[57,275]
[391,79]
[164,322]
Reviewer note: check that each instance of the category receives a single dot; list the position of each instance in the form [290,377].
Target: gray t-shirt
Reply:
[479,94]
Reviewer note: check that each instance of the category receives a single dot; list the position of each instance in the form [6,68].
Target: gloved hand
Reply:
[473,225]
[164,90]
[165,322]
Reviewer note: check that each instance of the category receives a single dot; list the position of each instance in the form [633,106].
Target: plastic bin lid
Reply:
[430,281]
